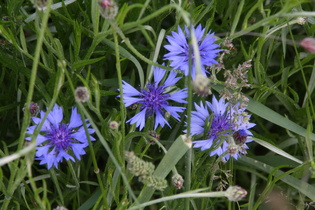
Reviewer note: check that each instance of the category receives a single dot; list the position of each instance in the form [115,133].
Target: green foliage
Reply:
[46,54]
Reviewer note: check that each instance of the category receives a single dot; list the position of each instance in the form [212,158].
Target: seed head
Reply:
[201,84]
[81,94]
[137,166]
[157,183]
[113,125]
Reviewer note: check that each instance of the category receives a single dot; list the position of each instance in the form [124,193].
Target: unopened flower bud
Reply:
[308,44]
[233,149]
[301,20]
[155,182]
[40,4]
[82,94]
[34,109]
[113,125]
[235,193]
[178,181]
[133,106]
[240,137]
[201,85]
[60,208]
[108,8]
[137,166]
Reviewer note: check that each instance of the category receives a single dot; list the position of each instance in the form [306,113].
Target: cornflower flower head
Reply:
[154,99]
[179,48]
[57,140]
[225,126]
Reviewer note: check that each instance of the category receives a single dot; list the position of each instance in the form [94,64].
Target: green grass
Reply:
[45,55]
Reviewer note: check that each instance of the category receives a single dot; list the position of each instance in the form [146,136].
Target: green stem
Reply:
[91,148]
[75,178]
[108,150]
[34,73]
[122,105]
[188,156]
[56,183]
[182,195]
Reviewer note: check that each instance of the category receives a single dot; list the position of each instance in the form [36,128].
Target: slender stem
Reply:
[110,153]
[182,195]
[122,106]
[56,183]
[34,73]
[75,178]
[26,119]
[188,156]
[91,148]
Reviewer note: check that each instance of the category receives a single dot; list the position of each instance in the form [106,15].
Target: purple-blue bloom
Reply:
[222,122]
[57,140]
[178,48]
[154,99]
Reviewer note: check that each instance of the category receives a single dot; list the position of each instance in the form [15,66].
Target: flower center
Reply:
[60,137]
[153,98]
[220,126]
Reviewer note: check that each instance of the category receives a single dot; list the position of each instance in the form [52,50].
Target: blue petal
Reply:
[40,139]
[75,119]
[78,149]
[171,79]
[173,111]
[55,116]
[42,151]
[160,120]
[179,96]
[130,100]
[218,107]
[158,75]
[139,119]
[128,90]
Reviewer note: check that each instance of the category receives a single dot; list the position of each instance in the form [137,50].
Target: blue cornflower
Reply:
[57,140]
[223,123]
[179,50]
[154,99]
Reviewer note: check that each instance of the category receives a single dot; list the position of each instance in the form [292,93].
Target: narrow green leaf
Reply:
[299,185]
[82,63]
[126,54]
[274,117]
[173,155]
[22,39]
[95,15]
[276,150]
